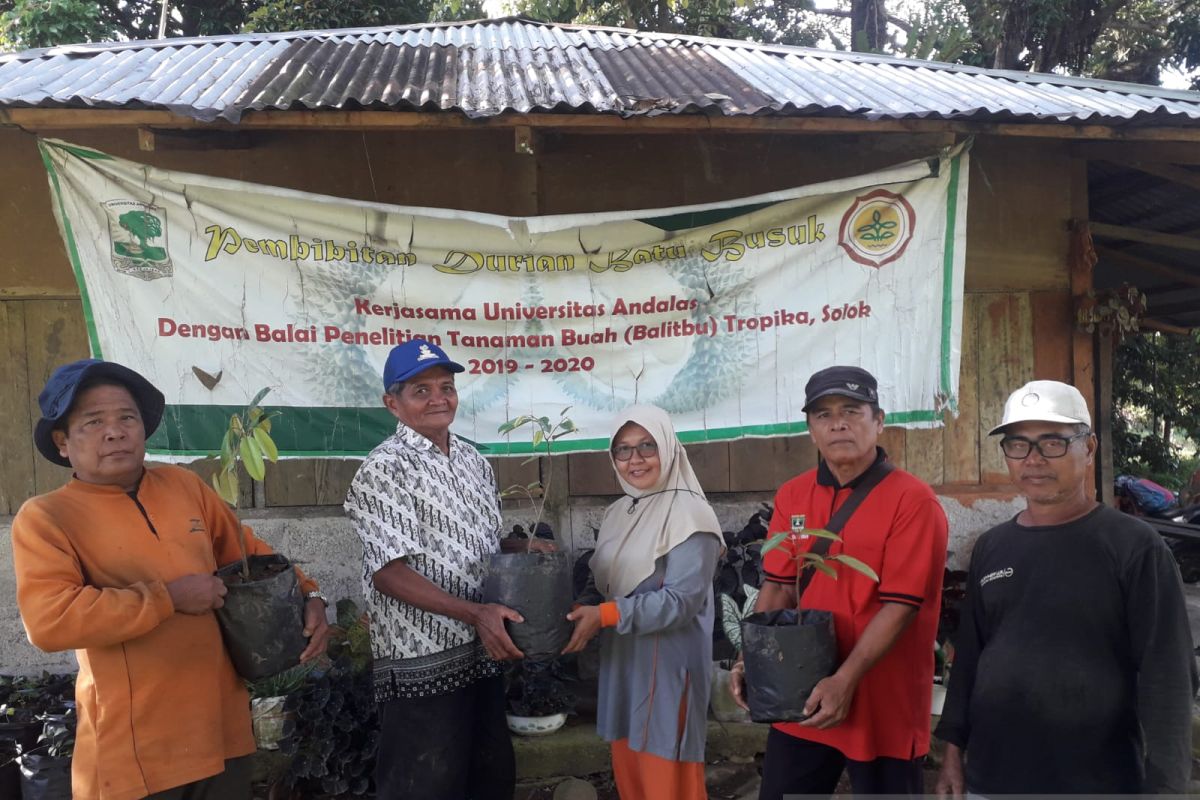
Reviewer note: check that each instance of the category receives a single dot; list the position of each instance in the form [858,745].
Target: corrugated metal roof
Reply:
[491,67]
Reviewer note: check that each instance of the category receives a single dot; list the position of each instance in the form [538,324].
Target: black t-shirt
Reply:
[1074,639]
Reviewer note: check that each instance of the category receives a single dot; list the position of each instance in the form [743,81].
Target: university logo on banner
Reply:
[137,237]
[877,228]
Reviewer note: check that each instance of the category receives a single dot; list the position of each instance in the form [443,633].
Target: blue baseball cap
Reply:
[412,357]
[59,394]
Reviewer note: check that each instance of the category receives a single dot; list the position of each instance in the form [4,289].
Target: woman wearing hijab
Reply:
[650,598]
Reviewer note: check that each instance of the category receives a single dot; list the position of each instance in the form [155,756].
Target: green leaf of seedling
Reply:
[263,392]
[225,482]
[823,567]
[774,542]
[235,424]
[538,437]
[563,413]
[256,413]
[227,448]
[856,565]
[270,451]
[265,422]
[507,427]
[252,458]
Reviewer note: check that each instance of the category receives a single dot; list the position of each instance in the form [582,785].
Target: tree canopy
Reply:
[1156,406]
[43,23]
[1130,40]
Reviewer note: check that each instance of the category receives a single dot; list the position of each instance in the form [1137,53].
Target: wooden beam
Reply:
[1170,309]
[1165,327]
[152,139]
[1167,288]
[1168,172]
[1119,152]
[1126,233]
[50,119]
[1107,253]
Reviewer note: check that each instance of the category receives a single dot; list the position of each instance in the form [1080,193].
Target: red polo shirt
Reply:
[900,532]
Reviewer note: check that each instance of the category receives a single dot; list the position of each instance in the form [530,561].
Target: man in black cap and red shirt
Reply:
[871,717]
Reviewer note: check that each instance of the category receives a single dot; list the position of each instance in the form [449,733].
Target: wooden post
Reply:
[1102,421]
[1083,368]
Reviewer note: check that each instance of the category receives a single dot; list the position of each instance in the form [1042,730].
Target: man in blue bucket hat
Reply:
[118,565]
[425,505]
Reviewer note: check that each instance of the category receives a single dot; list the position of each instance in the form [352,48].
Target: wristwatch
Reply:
[317,596]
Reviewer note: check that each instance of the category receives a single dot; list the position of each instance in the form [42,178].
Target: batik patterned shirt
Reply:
[441,514]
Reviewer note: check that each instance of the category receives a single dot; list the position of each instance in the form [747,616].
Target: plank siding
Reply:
[960,437]
[16,468]
[1005,363]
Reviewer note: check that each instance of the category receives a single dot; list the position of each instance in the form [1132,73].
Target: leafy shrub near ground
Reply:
[540,688]
[25,698]
[333,734]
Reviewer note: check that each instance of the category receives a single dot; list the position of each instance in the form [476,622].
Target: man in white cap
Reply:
[1073,667]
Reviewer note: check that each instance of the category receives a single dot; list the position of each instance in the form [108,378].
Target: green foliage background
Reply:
[1156,408]
[1130,40]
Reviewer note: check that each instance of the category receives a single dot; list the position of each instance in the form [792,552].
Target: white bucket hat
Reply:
[1045,401]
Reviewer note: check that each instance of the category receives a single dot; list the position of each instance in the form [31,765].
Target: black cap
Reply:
[59,393]
[853,382]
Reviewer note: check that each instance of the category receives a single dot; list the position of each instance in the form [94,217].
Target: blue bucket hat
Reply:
[59,394]
[412,357]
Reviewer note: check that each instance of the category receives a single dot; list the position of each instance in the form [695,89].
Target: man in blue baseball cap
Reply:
[118,565]
[425,505]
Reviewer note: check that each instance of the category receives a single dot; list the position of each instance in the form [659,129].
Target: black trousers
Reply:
[453,746]
[799,767]
[232,784]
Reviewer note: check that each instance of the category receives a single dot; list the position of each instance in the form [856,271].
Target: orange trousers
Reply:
[642,776]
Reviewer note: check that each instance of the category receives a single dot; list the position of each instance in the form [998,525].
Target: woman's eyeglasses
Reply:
[624,452]
[1018,448]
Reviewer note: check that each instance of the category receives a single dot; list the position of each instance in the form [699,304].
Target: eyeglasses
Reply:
[1018,448]
[624,452]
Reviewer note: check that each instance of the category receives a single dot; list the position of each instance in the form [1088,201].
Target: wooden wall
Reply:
[1016,322]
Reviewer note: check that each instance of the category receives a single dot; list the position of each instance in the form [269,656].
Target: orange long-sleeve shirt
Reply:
[158,700]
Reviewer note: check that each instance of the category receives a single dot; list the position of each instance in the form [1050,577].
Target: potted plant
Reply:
[262,621]
[535,584]
[732,614]
[23,702]
[332,733]
[788,651]
[46,769]
[539,698]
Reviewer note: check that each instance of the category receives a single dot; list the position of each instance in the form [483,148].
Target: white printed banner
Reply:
[718,313]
